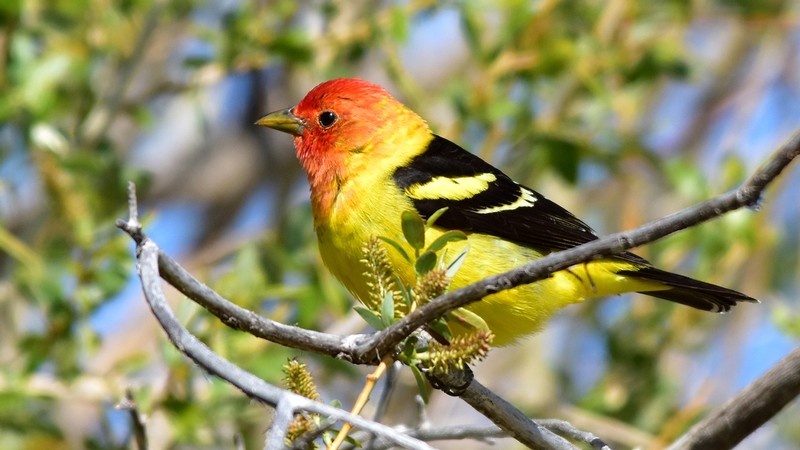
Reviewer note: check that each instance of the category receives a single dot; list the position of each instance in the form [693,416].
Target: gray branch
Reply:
[750,409]
[248,383]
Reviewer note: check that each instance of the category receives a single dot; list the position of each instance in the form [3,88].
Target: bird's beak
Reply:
[283,120]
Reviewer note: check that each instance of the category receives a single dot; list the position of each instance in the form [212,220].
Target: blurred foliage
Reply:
[622,110]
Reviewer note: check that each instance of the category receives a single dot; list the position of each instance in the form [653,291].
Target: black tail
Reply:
[690,292]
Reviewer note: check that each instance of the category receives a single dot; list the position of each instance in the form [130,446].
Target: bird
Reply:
[368,158]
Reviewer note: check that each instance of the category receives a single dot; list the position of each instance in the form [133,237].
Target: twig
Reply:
[383,402]
[511,419]
[128,403]
[362,400]
[132,226]
[748,195]
[391,382]
[750,409]
[243,319]
[564,428]
[306,440]
[624,434]
[487,433]
[459,432]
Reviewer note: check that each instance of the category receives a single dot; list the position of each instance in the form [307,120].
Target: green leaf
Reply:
[352,441]
[469,318]
[435,216]
[413,229]
[405,292]
[409,352]
[370,317]
[440,327]
[387,309]
[425,263]
[450,236]
[456,263]
[422,384]
[397,247]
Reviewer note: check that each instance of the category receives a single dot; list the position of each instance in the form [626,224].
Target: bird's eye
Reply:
[327,118]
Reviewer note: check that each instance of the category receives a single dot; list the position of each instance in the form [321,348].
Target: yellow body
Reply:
[358,212]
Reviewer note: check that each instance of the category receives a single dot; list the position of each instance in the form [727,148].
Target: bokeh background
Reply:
[621,110]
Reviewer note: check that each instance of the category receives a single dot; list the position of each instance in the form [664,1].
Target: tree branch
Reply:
[248,383]
[243,319]
[508,417]
[750,409]
[128,403]
[481,433]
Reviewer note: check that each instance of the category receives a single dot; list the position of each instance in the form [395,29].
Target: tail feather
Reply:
[690,292]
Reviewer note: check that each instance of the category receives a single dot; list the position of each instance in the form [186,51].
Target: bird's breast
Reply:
[360,210]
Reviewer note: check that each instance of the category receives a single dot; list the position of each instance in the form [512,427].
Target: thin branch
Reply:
[243,319]
[491,432]
[459,432]
[750,409]
[504,414]
[361,401]
[624,434]
[511,419]
[748,195]
[128,403]
[564,428]
[234,315]
[306,440]
[390,383]
[132,225]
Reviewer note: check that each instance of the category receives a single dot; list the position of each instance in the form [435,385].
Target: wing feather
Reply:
[502,208]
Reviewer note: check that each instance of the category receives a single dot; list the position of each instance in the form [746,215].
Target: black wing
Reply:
[504,208]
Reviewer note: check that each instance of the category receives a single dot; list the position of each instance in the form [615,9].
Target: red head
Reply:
[345,125]
[341,115]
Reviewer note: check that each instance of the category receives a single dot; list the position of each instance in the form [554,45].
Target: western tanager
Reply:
[368,158]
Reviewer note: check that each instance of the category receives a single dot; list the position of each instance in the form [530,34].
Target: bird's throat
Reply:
[326,179]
